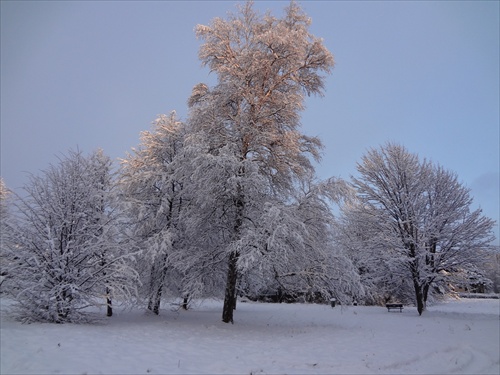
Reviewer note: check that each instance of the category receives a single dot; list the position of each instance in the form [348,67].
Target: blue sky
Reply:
[92,74]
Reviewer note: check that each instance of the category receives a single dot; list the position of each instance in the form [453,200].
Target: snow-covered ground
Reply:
[458,337]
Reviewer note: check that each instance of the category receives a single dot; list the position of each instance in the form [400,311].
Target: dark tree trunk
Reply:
[62,306]
[109,311]
[157,299]
[230,293]
[109,307]
[415,274]
[185,302]
[419,296]
[232,270]
[425,291]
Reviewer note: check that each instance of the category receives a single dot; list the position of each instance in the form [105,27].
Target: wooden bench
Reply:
[394,306]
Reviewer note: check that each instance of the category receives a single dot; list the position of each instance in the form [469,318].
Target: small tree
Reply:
[419,219]
[67,255]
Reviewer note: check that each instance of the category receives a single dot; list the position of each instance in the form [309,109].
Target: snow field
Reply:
[458,337]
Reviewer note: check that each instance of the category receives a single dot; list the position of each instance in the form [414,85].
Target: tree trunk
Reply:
[230,293]
[151,288]
[426,293]
[232,271]
[185,302]
[108,303]
[415,275]
[109,307]
[159,288]
[419,297]
[157,299]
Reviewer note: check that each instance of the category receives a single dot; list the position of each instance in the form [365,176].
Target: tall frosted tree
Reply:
[418,219]
[247,127]
[152,190]
[67,254]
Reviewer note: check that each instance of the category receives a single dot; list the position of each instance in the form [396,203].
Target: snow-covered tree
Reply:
[152,192]
[292,248]
[67,254]
[246,127]
[418,219]
[5,229]
[358,238]
[103,208]
[492,269]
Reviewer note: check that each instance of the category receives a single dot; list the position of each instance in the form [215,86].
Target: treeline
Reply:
[227,203]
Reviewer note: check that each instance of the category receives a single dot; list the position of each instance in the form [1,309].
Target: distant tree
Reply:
[359,239]
[153,196]
[293,248]
[6,237]
[67,254]
[492,270]
[246,127]
[4,194]
[417,219]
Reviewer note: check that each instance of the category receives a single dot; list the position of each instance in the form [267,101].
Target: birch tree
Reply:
[265,67]
[67,254]
[420,218]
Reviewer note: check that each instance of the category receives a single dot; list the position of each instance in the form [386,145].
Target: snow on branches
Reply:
[65,254]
